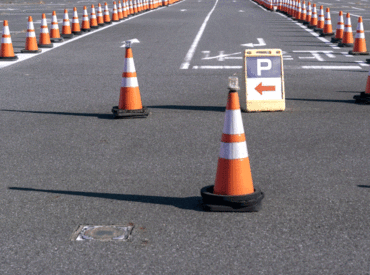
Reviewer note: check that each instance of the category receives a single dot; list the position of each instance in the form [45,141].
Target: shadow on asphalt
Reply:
[363,186]
[100,116]
[191,108]
[322,100]
[188,203]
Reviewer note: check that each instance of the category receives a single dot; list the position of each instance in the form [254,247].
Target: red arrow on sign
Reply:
[261,88]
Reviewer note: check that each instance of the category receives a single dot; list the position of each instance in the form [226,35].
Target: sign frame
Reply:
[249,103]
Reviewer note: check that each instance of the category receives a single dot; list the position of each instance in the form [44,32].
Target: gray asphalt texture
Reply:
[66,162]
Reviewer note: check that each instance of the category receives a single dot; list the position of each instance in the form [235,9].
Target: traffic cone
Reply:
[31,42]
[124,9]
[302,19]
[106,14]
[321,20]
[130,100]
[93,19]
[115,17]
[120,10]
[7,51]
[135,6]
[54,29]
[85,27]
[131,7]
[44,39]
[364,97]
[328,29]
[309,14]
[347,40]
[313,22]
[340,28]
[360,43]
[297,15]
[66,29]
[233,189]
[76,30]
[100,17]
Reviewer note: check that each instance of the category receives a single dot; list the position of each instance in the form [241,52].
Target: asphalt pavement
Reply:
[66,162]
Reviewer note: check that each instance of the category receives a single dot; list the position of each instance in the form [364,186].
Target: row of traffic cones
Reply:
[46,39]
[233,189]
[321,22]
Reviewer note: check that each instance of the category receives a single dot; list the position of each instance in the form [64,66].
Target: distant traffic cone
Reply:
[107,19]
[364,97]
[115,17]
[233,189]
[66,29]
[44,39]
[99,16]
[54,29]
[7,51]
[76,30]
[120,10]
[131,7]
[360,43]
[313,22]
[135,6]
[124,9]
[93,19]
[340,28]
[302,19]
[297,15]
[130,100]
[321,20]
[309,14]
[328,29]
[31,42]
[85,27]
[347,40]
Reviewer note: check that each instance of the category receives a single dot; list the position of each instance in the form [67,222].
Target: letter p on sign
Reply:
[267,65]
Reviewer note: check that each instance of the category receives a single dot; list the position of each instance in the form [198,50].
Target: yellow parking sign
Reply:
[264,81]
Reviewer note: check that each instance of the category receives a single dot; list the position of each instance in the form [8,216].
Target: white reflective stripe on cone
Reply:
[129,82]
[129,66]
[360,35]
[6,40]
[233,123]
[235,150]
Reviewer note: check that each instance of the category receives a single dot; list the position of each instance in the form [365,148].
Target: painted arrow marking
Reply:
[261,42]
[135,40]
[261,88]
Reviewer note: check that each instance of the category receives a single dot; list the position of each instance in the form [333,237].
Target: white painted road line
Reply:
[332,67]
[217,67]
[189,56]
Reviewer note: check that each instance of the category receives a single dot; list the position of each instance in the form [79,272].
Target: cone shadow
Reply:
[100,116]
[363,186]
[188,203]
[189,107]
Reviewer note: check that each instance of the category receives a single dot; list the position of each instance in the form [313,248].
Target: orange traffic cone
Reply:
[303,17]
[54,29]
[130,100]
[309,14]
[76,30]
[297,15]
[347,40]
[100,16]
[124,9]
[7,51]
[120,10]
[328,29]
[313,22]
[115,17]
[66,29]
[360,42]
[364,97]
[106,14]
[85,27]
[340,28]
[44,39]
[31,42]
[233,189]
[93,19]
[131,7]
[135,6]
[321,20]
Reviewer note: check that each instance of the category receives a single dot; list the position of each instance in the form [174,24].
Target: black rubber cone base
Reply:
[311,26]
[335,40]
[345,44]
[56,40]
[224,203]
[358,53]
[8,58]
[362,98]
[326,34]
[67,36]
[77,33]
[94,27]
[27,51]
[119,113]
[86,30]
[318,30]
[45,45]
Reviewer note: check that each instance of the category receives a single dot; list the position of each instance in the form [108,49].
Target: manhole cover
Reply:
[102,233]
